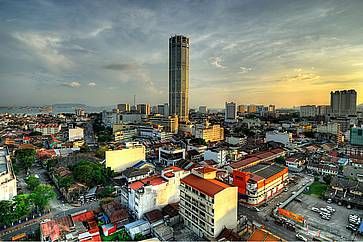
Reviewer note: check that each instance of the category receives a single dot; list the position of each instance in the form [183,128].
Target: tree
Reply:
[26,157]
[138,237]
[23,205]
[6,212]
[106,192]
[32,182]
[101,152]
[65,182]
[89,173]
[42,195]
[51,163]
[327,179]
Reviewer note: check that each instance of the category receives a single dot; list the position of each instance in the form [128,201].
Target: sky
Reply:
[286,53]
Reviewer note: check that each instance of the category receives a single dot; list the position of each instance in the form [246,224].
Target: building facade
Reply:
[260,183]
[7,176]
[179,76]
[343,102]
[144,108]
[356,136]
[119,160]
[307,111]
[156,191]
[123,107]
[230,114]
[210,133]
[207,205]
[169,155]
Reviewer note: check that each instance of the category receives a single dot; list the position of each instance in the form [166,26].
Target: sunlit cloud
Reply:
[217,62]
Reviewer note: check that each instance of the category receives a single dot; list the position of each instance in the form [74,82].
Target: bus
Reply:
[19,237]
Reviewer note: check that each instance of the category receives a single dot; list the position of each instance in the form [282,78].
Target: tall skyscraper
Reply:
[179,76]
[343,102]
[230,114]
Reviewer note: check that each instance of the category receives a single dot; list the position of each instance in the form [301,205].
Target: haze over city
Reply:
[102,53]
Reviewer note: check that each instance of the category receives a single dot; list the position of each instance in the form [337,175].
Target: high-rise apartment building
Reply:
[230,112]
[163,109]
[179,76]
[343,102]
[307,111]
[323,110]
[242,108]
[123,107]
[144,108]
[252,108]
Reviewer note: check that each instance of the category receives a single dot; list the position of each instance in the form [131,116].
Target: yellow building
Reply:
[207,205]
[210,133]
[170,123]
[119,160]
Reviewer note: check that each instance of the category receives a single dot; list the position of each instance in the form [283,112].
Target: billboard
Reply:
[288,214]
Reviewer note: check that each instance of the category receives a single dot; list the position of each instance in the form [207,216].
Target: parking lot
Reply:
[335,228]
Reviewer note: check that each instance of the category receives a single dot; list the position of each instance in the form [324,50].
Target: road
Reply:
[263,216]
[33,225]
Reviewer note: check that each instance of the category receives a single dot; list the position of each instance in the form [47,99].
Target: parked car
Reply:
[315,209]
[300,237]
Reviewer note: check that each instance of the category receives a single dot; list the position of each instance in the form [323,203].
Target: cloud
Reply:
[97,31]
[45,46]
[357,64]
[244,70]
[74,84]
[92,84]
[121,67]
[217,62]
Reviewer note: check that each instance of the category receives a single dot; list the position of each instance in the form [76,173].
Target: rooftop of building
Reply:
[209,187]
[265,170]
[263,235]
[152,181]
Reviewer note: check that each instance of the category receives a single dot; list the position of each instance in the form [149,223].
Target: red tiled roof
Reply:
[50,229]
[153,181]
[205,169]
[173,168]
[83,216]
[209,187]
[265,155]
[277,150]
[263,235]
[244,162]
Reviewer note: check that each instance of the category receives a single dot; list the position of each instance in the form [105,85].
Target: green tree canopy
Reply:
[89,173]
[6,212]
[23,205]
[26,157]
[101,152]
[32,182]
[65,182]
[42,195]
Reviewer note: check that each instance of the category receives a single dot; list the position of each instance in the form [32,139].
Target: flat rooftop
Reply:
[265,170]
